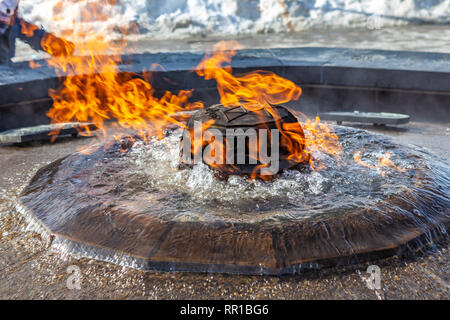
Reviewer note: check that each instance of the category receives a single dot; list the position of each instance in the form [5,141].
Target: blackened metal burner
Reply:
[244,140]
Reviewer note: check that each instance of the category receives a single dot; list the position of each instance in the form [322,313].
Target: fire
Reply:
[28,29]
[94,89]
[35,65]
[252,90]
[320,138]
[263,89]
[384,162]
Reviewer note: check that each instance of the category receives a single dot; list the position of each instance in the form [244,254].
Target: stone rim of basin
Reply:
[42,132]
[148,241]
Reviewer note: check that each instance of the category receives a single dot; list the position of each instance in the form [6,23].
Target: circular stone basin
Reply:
[140,208]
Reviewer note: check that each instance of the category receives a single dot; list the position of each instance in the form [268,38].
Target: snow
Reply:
[172,19]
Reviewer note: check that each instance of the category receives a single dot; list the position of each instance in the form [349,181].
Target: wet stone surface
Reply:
[32,270]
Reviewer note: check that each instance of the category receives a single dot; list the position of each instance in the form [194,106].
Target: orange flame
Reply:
[28,29]
[263,89]
[35,65]
[383,162]
[94,89]
[319,138]
[252,90]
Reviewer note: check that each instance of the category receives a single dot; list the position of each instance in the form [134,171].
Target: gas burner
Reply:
[249,136]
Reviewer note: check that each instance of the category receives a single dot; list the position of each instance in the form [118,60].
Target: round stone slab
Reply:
[85,205]
[366,117]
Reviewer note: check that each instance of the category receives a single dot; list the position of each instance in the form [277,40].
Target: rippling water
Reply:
[140,202]
[342,186]
[148,179]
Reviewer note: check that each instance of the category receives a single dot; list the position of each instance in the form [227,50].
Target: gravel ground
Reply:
[29,269]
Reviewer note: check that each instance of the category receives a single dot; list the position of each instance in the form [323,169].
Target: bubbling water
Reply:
[139,208]
[196,194]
